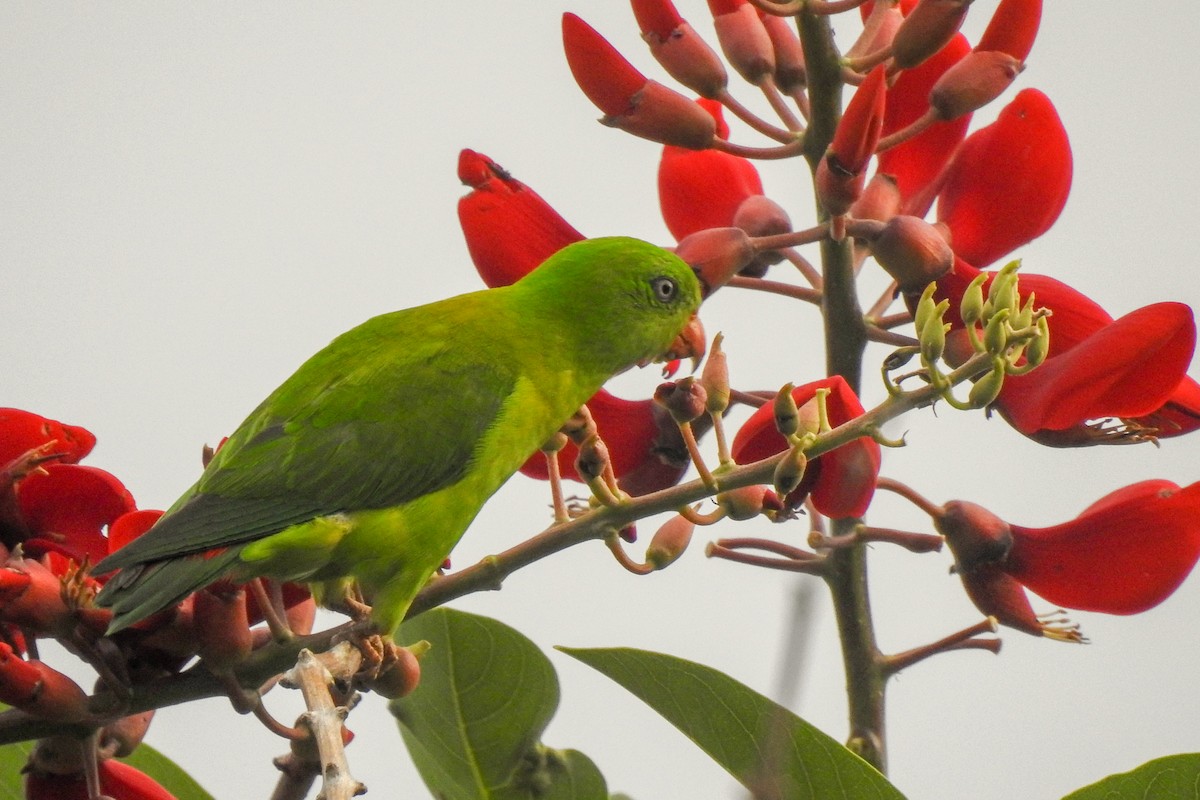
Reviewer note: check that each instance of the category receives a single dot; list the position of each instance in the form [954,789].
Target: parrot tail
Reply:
[139,590]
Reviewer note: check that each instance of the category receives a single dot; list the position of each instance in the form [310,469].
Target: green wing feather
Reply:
[388,412]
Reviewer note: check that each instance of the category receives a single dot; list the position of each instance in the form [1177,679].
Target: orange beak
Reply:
[690,343]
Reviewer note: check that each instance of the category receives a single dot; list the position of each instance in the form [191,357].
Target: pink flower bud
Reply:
[973,82]
[669,542]
[975,535]
[743,39]
[927,29]
[759,215]
[717,254]
[913,252]
[628,99]
[679,49]
[791,74]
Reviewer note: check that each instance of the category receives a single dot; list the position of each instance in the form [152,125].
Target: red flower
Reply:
[39,690]
[22,431]
[1013,27]
[509,228]
[1008,182]
[916,163]
[1125,370]
[1131,370]
[699,189]
[66,507]
[118,780]
[628,99]
[842,481]
[644,444]
[1126,553]
[127,527]
[841,172]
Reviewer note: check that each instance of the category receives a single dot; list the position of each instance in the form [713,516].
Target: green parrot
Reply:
[369,463]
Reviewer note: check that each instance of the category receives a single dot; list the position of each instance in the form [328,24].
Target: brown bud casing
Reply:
[663,115]
[746,43]
[716,255]
[593,458]
[975,535]
[759,215]
[685,399]
[974,81]
[791,74]
[880,200]
[913,252]
[690,60]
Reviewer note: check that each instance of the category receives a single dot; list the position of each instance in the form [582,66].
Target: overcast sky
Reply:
[196,197]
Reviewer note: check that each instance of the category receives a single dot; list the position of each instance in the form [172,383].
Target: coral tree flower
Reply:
[118,780]
[1008,182]
[629,100]
[66,507]
[840,482]
[916,163]
[1126,553]
[22,431]
[700,189]
[1103,379]
[679,49]
[509,228]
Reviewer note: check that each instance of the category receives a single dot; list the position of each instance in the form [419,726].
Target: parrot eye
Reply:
[665,289]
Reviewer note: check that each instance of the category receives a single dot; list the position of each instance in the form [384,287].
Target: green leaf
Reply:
[768,749]
[473,725]
[12,761]
[162,769]
[1168,778]
[146,758]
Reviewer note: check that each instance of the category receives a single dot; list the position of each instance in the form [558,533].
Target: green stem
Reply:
[845,341]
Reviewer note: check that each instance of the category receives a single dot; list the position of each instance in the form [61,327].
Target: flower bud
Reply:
[685,399]
[593,459]
[669,542]
[787,413]
[628,99]
[123,736]
[715,378]
[790,471]
[970,84]
[743,39]
[747,502]
[913,252]
[222,627]
[880,200]
[40,690]
[927,29]
[679,49]
[716,254]
[759,215]
[791,74]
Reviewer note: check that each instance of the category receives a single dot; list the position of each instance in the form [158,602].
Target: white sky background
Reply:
[197,197]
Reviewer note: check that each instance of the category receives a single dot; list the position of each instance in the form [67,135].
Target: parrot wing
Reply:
[375,420]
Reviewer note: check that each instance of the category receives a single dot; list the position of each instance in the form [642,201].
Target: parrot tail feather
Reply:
[140,590]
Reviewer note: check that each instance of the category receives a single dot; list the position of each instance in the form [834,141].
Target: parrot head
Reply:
[623,301]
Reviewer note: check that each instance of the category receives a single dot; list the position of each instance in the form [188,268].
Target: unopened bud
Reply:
[836,186]
[679,49]
[685,399]
[580,426]
[1039,347]
[790,471]
[715,378]
[987,388]
[913,252]
[971,308]
[663,115]
[791,74]
[995,335]
[747,502]
[593,458]
[880,199]
[787,414]
[933,336]
[974,81]
[669,542]
[927,29]
[401,673]
[759,215]
[716,254]
[743,39]
[40,690]
[222,627]
[122,737]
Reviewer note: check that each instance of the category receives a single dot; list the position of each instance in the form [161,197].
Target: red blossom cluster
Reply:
[57,517]
[900,152]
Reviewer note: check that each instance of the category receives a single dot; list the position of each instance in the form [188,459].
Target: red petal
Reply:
[1008,182]
[627,427]
[1125,554]
[843,480]
[127,527]
[917,162]
[129,783]
[858,131]
[1013,28]
[699,189]
[1180,414]
[602,73]
[1127,369]
[22,431]
[70,504]
[658,17]
[509,229]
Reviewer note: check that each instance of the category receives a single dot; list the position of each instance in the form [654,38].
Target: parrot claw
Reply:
[690,343]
